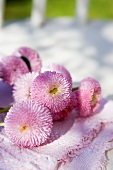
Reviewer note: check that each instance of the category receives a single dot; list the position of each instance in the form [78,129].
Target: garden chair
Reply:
[38,11]
[1,11]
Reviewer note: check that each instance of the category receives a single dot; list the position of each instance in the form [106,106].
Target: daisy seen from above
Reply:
[28,124]
[51,89]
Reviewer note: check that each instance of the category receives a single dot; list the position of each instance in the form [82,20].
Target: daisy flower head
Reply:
[28,124]
[59,69]
[89,96]
[22,87]
[30,57]
[13,67]
[51,89]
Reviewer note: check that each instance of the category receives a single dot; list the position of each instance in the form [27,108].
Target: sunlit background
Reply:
[85,49]
[98,9]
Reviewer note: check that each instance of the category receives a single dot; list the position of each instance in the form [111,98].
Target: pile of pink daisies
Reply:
[42,95]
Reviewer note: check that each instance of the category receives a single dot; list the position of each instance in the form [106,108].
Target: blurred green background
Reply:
[19,9]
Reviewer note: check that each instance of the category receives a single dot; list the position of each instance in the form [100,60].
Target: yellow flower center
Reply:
[24,128]
[53,91]
[94,99]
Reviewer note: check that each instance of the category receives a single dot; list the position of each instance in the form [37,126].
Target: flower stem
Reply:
[2,124]
[74,88]
[3,110]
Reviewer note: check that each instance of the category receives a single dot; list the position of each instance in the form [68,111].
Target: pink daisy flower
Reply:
[13,67]
[30,57]
[28,124]
[89,96]
[22,87]
[51,89]
[59,69]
